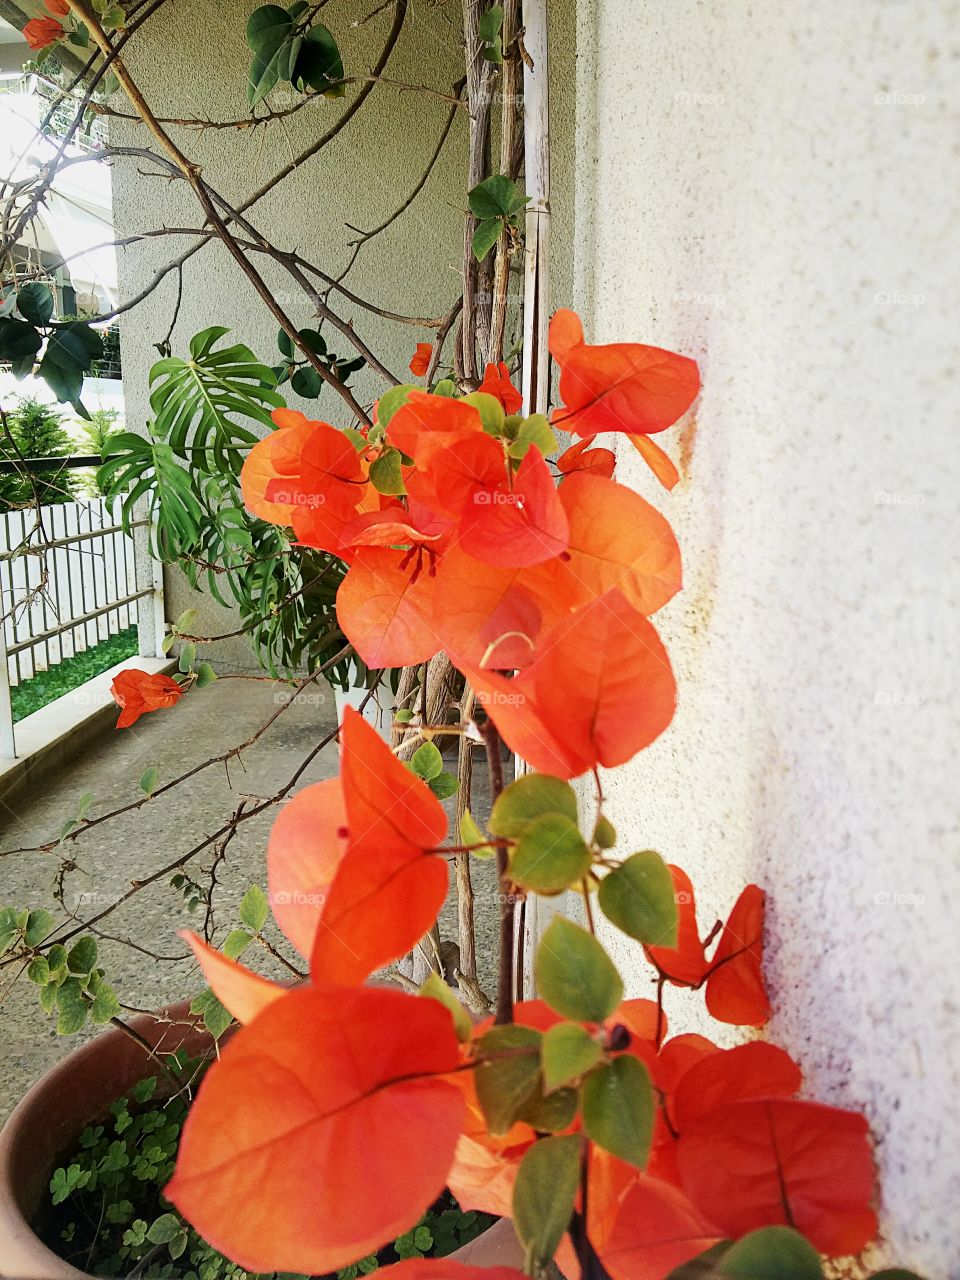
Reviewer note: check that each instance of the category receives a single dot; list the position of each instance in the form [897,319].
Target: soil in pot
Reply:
[105,1213]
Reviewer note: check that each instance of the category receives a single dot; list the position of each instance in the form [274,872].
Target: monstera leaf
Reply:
[197,401]
[148,468]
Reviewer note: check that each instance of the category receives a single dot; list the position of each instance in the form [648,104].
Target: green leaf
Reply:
[319,62]
[638,897]
[549,1113]
[38,971]
[575,975]
[82,956]
[40,924]
[186,620]
[188,656]
[164,1229]
[198,402]
[144,1089]
[568,1052]
[490,24]
[528,798]
[391,401]
[236,942]
[313,339]
[18,340]
[216,1018]
[83,806]
[550,855]
[84,343]
[267,29]
[436,989]
[68,349]
[534,430]
[150,468]
[444,785]
[149,779]
[9,929]
[604,833]
[254,908]
[105,1005]
[491,412]
[205,675]
[506,1081]
[35,303]
[619,1109]
[544,1196]
[471,834]
[307,382]
[485,237]
[427,762]
[447,388]
[772,1253]
[895,1273]
[496,197]
[64,380]
[178,1244]
[386,475]
[72,1008]
[114,19]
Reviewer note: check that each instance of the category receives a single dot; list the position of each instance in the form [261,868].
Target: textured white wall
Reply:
[773,189]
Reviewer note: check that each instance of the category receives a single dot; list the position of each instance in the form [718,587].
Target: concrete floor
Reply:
[132,846]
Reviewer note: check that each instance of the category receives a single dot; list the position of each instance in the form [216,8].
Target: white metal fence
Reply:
[64,588]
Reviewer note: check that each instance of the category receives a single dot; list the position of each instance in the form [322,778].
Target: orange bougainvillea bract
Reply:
[733,977]
[339,1110]
[336,1089]
[136,692]
[389,886]
[496,382]
[40,32]
[623,386]
[421,359]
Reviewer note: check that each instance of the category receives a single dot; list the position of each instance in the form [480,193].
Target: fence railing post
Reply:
[8,744]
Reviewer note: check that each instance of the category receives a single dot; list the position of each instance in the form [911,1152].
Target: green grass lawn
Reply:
[33,694]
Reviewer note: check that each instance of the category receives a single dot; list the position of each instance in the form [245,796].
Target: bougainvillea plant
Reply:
[340,1110]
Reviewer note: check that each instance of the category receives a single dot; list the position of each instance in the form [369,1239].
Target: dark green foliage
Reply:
[302,376]
[496,203]
[187,471]
[286,46]
[37,431]
[106,1209]
[72,347]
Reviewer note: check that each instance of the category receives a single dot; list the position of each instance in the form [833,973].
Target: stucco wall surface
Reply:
[192,61]
[773,189]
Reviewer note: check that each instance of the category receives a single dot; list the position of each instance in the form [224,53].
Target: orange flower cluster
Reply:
[339,1111]
[473,548]
[342,1086]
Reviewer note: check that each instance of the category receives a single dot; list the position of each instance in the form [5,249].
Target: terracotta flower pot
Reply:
[78,1091]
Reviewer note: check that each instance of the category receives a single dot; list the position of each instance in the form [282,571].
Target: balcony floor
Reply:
[139,843]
